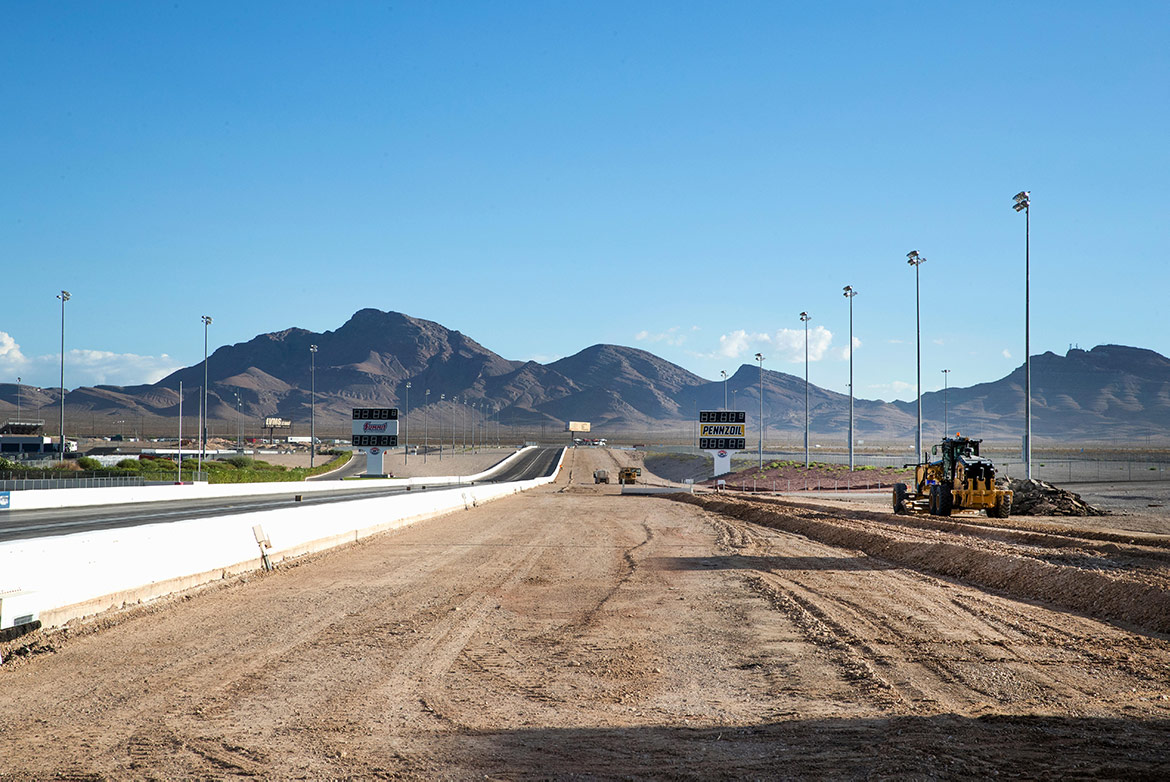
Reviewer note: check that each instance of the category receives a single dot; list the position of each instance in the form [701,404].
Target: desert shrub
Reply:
[87,463]
[129,464]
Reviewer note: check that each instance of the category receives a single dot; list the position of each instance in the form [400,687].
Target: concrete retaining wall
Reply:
[56,579]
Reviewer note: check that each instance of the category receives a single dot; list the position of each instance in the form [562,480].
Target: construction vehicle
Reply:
[629,475]
[601,476]
[958,479]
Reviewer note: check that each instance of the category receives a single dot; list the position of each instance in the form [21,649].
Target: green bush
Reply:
[241,462]
[89,463]
[129,464]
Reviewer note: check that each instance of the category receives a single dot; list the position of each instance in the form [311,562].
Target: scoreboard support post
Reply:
[722,433]
[374,430]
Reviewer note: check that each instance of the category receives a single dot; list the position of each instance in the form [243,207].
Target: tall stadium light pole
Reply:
[18,399]
[240,428]
[724,373]
[64,296]
[206,413]
[805,318]
[1023,202]
[405,426]
[916,260]
[849,294]
[946,424]
[760,358]
[442,398]
[454,401]
[180,431]
[312,404]
[426,420]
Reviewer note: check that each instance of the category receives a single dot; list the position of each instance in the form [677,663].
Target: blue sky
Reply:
[543,176]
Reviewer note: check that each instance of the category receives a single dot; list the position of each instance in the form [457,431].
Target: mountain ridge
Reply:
[1108,393]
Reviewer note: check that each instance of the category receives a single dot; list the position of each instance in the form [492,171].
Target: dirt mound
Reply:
[1125,593]
[1037,498]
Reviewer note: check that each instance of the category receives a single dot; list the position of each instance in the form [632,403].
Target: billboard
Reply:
[271,422]
[578,426]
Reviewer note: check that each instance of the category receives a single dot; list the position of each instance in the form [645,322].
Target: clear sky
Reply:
[544,176]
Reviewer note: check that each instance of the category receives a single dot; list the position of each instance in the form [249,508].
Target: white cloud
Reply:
[896,341]
[670,336]
[789,344]
[101,367]
[738,342]
[938,342]
[83,367]
[784,345]
[845,350]
[1007,353]
[896,386]
[11,359]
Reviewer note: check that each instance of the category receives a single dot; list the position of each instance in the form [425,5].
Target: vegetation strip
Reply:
[1108,596]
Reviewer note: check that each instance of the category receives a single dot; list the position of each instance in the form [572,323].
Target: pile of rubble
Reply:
[1037,498]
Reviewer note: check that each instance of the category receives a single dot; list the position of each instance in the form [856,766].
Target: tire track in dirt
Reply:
[901,642]
[1129,595]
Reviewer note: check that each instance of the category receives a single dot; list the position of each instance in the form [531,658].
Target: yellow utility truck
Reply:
[958,479]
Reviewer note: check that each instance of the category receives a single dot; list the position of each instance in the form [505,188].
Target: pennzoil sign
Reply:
[722,430]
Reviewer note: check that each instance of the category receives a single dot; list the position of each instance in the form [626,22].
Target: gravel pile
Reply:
[1037,498]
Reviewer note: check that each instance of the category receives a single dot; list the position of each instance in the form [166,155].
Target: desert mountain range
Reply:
[1112,393]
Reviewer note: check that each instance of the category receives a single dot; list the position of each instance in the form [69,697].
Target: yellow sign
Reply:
[578,426]
[722,430]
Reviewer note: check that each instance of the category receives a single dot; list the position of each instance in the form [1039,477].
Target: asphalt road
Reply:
[20,525]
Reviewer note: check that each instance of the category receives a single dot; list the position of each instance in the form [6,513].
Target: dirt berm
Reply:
[1125,584]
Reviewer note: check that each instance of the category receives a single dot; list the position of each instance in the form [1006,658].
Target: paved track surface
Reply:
[573,632]
[19,525]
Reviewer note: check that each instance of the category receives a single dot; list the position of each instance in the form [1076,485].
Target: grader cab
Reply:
[629,475]
[959,479]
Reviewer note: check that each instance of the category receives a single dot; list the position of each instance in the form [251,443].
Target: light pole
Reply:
[442,398]
[240,429]
[1023,202]
[405,427]
[916,260]
[849,294]
[64,296]
[203,435]
[946,426]
[312,404]
[454,401]
[426,420]
[805,318]
[724,373]
[760,358]
[18,399]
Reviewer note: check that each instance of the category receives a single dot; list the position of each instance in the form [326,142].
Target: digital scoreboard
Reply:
[722,432]
[374,430]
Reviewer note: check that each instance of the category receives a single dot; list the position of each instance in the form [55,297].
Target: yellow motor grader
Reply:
[959,479]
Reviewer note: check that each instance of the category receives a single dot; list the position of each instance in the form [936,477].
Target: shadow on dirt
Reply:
[765,564]
[945,746]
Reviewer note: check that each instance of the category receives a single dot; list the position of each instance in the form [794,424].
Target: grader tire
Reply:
[1002,508]
[900,499]
[946,501]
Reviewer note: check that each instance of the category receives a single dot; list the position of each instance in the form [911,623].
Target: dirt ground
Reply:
[572,632]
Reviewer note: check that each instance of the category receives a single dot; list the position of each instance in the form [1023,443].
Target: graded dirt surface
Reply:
[570,632]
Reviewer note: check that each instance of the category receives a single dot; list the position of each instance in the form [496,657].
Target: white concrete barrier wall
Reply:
[39,499]
[60,578]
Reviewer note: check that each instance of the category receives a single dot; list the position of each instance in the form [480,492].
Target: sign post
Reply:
[374,430]
[722,433]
